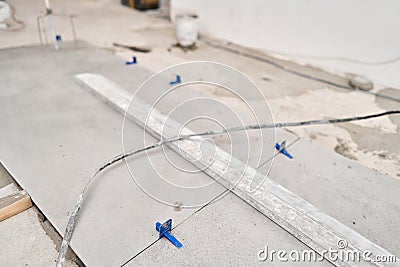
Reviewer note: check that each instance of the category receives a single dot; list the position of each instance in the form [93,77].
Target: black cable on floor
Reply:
[292,124]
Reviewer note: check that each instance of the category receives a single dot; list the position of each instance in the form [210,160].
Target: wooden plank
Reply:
[14,204]
[314,228]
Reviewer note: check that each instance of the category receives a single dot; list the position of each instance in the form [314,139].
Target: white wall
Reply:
[365,30]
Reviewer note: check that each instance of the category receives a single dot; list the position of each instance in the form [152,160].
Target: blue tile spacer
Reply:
[178,80]
[165,229]
[134,61]
[282,149]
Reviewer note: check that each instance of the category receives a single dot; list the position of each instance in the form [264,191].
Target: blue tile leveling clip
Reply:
[134,61]
[178,80]
[165,229]
[282,149]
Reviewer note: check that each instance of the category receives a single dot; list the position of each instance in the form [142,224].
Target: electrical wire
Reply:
[74,215]
[295,72]
[292,124]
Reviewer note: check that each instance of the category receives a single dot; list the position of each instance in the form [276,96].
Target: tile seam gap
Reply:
[187,218]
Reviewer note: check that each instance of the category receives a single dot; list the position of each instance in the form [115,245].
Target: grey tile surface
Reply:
[228,232]
[360,198]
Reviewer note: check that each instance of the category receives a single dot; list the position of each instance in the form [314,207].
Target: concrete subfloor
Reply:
[287,94]
[28,231]
[24,242]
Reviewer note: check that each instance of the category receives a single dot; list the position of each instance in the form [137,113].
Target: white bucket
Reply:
[186,29]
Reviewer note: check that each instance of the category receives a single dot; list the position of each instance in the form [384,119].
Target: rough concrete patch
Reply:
[372,139]
[361,140]
[5,177]
[389,104]
[343,149]
[34,248]
[28,219]
[313,136]
[8,190]
[185,49]
[56,238]
[376,149]
[154,37]
[382,155]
